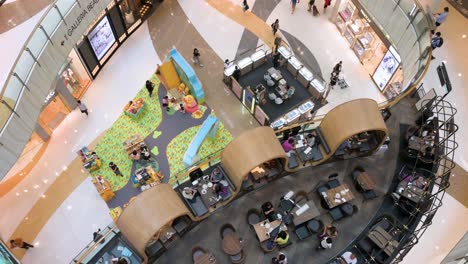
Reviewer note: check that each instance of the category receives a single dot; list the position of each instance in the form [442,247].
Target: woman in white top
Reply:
[349,257]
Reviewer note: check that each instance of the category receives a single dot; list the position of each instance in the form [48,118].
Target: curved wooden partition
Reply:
[250,149]
[349,119]
[152,210]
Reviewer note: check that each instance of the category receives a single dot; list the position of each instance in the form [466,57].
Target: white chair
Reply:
[270,83]
[272,96]
[278,100]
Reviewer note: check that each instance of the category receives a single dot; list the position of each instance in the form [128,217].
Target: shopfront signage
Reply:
[47,99]
[85,9]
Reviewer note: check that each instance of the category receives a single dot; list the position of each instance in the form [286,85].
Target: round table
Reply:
[206,258]
[232,245]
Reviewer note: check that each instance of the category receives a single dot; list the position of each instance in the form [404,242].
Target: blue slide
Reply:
[208,128]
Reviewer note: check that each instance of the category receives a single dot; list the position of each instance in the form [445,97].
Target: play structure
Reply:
[208,128]
[176,70]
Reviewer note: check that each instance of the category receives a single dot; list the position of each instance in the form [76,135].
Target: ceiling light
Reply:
[464,36]
[459,74]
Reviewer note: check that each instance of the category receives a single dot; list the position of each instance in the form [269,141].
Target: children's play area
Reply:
[155,138]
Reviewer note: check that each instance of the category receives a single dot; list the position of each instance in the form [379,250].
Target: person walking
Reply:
[327,4]
[311,4]
[293,5]
[150,87]
[337,68]
[245,5]
[19,243]
[275,26]
[196,57]
[83,108]
[280,259]
[441,17]
[115,169]
[436,42]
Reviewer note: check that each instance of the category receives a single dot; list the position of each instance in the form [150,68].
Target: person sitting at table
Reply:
[363,137]
[269,211]
[220,191]
[311,139]
[145,153]
[189,193]
[280,259]
[349,258]
[329,231]
[325,243]
[420,182]
[216,176]
[282,238]
[428,155]
[135,155]
[288,146]
[290,91]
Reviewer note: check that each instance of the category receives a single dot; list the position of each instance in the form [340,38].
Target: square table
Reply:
[275,74]
[418,143]
[263,232]
[411,192]
[383,240]
[307,215]
[345,196]
[209,198]
[365,181]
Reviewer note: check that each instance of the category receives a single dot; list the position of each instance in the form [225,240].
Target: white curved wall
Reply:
[20,126]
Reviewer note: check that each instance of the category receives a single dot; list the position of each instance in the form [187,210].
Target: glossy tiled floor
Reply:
[187,24]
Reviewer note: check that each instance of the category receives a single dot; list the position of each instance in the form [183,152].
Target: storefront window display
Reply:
[74,76]
[130,10]
[368,43]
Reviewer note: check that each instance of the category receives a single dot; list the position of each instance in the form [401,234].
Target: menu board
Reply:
[249,100]
[387,67]
[101,38]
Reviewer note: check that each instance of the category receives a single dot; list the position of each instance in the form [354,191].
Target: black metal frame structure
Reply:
[439,116]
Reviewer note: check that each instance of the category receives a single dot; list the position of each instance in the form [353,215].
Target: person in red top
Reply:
[327,4]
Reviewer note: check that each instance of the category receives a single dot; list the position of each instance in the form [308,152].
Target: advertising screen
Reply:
[386,69]
[101,38]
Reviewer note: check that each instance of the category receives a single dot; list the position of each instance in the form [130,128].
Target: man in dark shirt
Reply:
[236,74]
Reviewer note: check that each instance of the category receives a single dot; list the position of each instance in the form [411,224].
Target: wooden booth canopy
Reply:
[352,118]
[152,210]
[250,149]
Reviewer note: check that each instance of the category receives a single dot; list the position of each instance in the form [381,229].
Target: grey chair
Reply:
[315,226]
[302,232]
[254,216]
[226,229]
[336,214]
[347,209]
[197,251]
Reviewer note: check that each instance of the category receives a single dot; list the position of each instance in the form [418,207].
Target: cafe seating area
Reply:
[369,207]
[202,182]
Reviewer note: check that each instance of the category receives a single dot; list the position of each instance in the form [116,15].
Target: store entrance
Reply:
[54,113]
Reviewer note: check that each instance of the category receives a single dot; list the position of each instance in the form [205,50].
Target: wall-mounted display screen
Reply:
[101,38]
[386,69]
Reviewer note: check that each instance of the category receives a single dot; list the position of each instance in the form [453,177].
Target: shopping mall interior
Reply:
[199,131]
